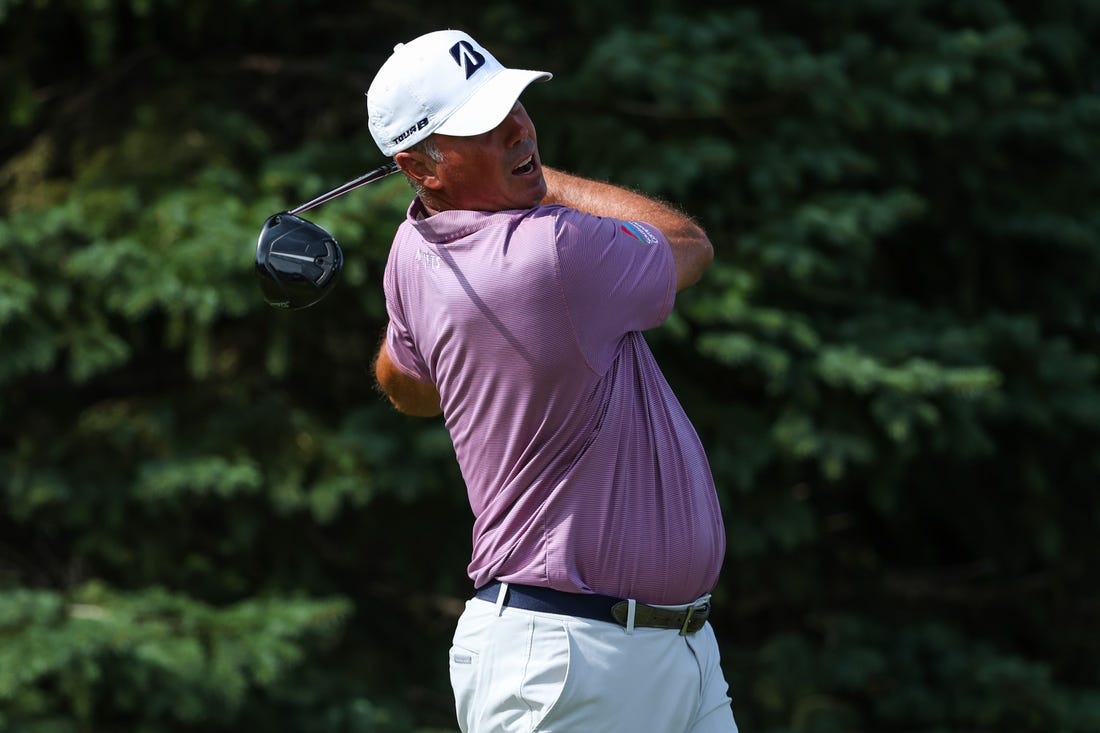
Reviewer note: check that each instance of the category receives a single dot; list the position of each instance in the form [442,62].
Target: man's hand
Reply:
[411,397]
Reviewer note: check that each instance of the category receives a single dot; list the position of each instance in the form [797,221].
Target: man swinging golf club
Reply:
[517,296]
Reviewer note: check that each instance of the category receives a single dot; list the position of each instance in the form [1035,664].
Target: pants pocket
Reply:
[547,670]
[508,671]
[463,666]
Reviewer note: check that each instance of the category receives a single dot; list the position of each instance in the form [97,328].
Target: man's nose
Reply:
[518,125]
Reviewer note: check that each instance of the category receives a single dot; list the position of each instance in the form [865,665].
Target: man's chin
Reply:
[540,192]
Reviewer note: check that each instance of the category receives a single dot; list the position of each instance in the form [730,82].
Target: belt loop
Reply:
[631,606]
[500,598]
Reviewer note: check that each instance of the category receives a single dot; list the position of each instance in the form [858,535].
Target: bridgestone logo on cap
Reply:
[418,126]
[467,57]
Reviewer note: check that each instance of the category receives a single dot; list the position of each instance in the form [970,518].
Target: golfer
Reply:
[517,296]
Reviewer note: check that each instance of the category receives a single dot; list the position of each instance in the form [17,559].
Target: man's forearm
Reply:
[691,248]
[409,396]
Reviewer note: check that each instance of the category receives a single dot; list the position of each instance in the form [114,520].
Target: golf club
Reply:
[298,262]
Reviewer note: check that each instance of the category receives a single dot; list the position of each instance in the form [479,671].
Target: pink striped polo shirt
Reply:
[583,471]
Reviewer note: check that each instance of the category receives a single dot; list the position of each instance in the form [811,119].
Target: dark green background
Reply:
[211,521]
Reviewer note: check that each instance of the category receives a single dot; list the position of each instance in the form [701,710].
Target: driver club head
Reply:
[297,262]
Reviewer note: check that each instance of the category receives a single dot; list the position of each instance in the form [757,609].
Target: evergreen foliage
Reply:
[210,520]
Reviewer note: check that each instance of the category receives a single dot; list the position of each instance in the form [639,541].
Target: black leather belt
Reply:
[597,607]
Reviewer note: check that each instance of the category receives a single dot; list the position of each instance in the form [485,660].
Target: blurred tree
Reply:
[209,520]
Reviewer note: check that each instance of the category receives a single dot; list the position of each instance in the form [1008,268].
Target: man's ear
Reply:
[419,167]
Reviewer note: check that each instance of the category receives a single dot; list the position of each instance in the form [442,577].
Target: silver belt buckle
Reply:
[687,620]
[690,614]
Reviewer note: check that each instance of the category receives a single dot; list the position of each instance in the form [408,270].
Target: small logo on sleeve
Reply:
[639,231]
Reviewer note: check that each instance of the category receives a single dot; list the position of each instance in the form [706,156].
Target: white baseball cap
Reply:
[443,82]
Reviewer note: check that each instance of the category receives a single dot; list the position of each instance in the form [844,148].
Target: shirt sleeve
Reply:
[399,341]
[617,276]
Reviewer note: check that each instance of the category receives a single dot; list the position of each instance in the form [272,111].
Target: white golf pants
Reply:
[518,671]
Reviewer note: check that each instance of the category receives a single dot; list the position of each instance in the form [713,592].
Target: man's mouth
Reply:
[525,167]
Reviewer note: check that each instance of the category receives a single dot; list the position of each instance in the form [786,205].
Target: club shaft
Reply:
[374,175]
